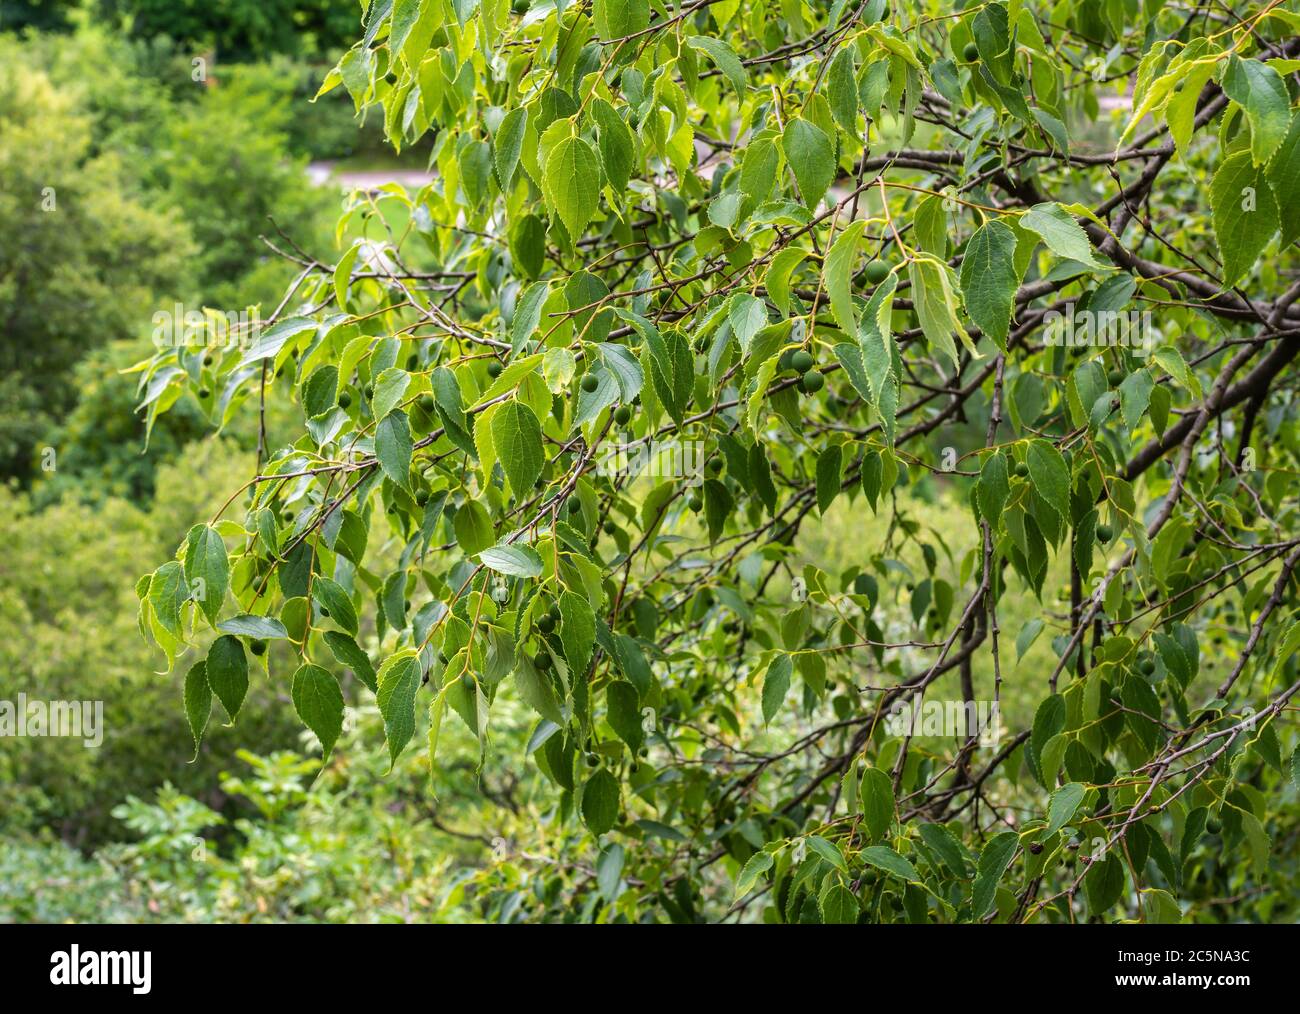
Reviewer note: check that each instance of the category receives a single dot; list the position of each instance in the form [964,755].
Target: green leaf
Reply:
[1062,234]
[513,561]
[600,802]
[778,276]
[198,702]
[319,703]
[473,528]
[1060,811]
[884,858]
[347,652]
[837,276]
[1284,176]
[839,906]
[1260,90]
[517,436]
[528,314]
[577,631]
[831,853]
[573,177]
[747,316]
[389,388]
[393,448]
[249,625]
[941,840]
[398,679]
[623,705]
[1049,475]
[329,594]
[1027,636]
[166,593]
[812,157]
[776,684]
[616,19]
[877,791]
[535,689]
[1244,213]
[934,298]
[723,56]
[227,673]
[758,864]
[830,466]
[507,145]
[994,488]
[989,280]
[1135,396]
[1049,720]
[993,862]
[842,90]
[1104,883]
[207,570]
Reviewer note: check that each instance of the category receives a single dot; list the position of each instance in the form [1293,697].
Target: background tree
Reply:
[843,251]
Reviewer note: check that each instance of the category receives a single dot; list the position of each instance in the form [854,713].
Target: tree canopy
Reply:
[688,280]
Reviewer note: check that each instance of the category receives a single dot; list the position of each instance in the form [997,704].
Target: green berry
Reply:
[554,614]
[1115,378]
[257,647]
[696,503]
[971,53]
[714,466]
[876,272]
[345,400]
[370,390]
[422,496]
[575,506]
[520,6]
[204,392]
[801,361]
[622,415]
[590,383]
[592,760]
[494,368]
[542,660]
[207,360]
[427,404]
[786,361]
[1022,469]
[1104,534]
[812,381]
[545,624]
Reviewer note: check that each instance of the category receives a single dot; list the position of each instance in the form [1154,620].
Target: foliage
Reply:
[306,853]
[832,247]
[125,197]
[240,28]
[67,633]
[84,258]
